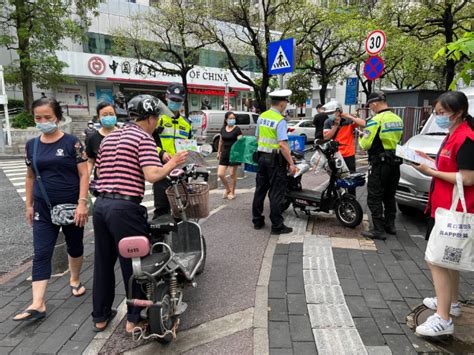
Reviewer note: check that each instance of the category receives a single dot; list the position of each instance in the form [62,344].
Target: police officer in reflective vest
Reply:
[274,160]
[169,130]
[381,135]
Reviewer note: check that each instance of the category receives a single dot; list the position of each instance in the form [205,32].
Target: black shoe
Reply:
[373,235]
[282,230]
[259,226]
[390,230]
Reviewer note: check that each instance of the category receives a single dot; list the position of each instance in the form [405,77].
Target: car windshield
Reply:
[432,129]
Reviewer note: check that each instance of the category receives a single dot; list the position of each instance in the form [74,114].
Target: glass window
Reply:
[255,118]
[242,119]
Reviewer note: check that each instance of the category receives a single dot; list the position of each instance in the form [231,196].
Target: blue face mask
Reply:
[231,122]
[108,121]
[47,127]
[174,106]
[443,121]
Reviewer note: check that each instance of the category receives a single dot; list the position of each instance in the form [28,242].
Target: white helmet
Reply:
[332,106]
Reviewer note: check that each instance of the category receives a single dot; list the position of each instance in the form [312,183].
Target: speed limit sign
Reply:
[375,42]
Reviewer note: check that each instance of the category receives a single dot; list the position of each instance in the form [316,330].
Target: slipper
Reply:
[142,325]
[77,288]
[96,329]
[33,314]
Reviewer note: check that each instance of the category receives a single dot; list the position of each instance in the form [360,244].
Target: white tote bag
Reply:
[451,243]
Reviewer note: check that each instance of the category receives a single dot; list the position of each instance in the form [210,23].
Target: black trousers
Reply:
[270,178]
[381,187]
[162,206]
[114,220]
[351,165]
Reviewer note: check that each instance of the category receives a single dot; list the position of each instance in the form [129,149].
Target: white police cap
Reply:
[280,94]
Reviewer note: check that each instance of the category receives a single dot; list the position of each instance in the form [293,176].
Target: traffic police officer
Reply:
[169,130]
[380,138]
[273,157]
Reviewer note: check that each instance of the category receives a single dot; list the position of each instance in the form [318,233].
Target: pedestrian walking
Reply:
[340,127]
[318,122]
[126,159]
[381,135]
[88,132]
[169,131]
[274,160]
[230,133]
[455,155]
[56,177]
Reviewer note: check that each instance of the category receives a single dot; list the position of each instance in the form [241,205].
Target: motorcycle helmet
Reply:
[143,106]
[332,106]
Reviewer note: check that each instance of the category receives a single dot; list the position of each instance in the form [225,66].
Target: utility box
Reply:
[412,98]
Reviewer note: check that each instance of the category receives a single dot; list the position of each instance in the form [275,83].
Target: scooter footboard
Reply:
[188,248]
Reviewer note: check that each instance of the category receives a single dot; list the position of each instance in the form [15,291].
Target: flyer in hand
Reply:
[411,155]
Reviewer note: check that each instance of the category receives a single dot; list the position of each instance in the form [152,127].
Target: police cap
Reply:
[280,95]
[176,92]
[376,96]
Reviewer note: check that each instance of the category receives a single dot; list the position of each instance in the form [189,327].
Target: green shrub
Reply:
[23,120]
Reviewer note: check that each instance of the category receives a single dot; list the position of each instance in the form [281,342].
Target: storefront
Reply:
[100,76]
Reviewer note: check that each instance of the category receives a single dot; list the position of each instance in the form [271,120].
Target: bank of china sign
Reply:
[93,66]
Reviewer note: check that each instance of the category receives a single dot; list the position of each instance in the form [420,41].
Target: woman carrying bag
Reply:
[450,241]
[56,197]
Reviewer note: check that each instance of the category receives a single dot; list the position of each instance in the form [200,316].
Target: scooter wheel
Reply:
[160,318]
[348,212]
[200,269]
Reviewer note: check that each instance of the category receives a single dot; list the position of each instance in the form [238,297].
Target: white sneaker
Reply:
[435,326]
[432,303]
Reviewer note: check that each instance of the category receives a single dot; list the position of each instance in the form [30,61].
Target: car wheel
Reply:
[407,210]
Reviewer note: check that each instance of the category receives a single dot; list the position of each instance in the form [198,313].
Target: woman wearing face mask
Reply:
[455,155]
[61,163]
[229,135]
[108,121]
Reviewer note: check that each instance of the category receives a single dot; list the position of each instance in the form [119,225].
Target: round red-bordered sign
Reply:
[375,42]
[96,65]
[373,67]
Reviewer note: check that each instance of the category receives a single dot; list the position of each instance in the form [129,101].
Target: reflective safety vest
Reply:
[387,126]
[267,131]
[173,129]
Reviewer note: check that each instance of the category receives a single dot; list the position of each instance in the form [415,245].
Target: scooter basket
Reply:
[196,199]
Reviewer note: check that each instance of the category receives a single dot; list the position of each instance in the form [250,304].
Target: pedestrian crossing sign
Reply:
[281,55]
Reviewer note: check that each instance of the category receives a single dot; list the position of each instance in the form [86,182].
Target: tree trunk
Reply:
[26,83]
[448,22]
[322,91]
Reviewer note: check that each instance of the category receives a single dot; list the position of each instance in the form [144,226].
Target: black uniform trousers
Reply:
[271,178]
[381,187]
[162,205]
[114,220]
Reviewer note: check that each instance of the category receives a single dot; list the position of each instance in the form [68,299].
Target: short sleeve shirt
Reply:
[57,165]
[345,135]
[122,156]
[93,145]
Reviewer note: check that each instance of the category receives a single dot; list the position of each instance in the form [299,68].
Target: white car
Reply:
[304,128]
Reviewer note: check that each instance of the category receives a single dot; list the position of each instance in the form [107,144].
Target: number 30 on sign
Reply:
[375,42]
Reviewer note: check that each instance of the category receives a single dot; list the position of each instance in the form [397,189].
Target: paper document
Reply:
[413,156]
[186,144]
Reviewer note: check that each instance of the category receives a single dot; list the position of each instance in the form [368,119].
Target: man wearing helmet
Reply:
[127,157]
[381,136]
[169,130]
[340,127]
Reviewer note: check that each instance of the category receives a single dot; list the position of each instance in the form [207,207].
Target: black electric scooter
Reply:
[334,196]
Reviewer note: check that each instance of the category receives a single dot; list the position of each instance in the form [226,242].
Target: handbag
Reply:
[451,243]
[61,215]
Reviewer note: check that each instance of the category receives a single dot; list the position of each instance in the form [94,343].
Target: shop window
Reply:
[242,119]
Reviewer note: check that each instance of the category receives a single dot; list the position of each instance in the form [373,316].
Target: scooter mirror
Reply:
[205,150]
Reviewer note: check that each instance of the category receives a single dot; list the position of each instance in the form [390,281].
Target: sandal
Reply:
[33,314]
[77,288]
[96,329]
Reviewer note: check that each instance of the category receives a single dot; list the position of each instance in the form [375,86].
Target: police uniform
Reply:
[381,135]
[272,167]
[170,130]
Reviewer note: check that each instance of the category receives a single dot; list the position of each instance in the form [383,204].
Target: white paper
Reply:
[186,144]
[411,155]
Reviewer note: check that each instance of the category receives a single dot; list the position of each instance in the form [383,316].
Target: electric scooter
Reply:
[334,196]
[168,260]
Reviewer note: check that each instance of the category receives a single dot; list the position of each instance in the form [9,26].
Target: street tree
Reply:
[300,85]
[165,39]
[241,28]
[35,30]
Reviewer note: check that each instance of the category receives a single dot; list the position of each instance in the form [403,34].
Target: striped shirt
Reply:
[122,156]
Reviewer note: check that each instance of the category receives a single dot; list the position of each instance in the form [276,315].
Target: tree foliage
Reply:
[300,85]
[36,30]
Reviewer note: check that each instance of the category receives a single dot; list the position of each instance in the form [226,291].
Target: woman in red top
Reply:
[455,155]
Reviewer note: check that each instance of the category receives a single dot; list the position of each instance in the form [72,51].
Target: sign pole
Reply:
[5,105]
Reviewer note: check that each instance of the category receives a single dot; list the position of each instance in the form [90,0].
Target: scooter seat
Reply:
[153,262]
[164,224]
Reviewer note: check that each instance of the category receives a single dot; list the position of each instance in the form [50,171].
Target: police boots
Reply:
[377,232]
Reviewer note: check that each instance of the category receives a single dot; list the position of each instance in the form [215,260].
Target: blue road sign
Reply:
[351,91]
[281,56]
[373,67]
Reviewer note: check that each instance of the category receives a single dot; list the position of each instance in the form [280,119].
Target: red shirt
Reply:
[122,156]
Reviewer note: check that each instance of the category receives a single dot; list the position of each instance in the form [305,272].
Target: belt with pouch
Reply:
[115,196]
